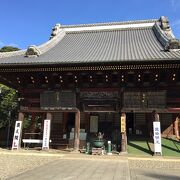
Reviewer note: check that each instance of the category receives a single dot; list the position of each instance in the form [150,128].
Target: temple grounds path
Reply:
[27,164]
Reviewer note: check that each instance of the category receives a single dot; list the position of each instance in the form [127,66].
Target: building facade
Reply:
[87,75]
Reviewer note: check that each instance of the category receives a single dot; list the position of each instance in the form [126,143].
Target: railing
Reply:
[31,140]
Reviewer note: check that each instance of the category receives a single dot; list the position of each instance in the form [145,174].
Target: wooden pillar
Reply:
[65,119]
[123,134]
[87,122]
[77,131]
[20,116]
[49,116]
[33,122]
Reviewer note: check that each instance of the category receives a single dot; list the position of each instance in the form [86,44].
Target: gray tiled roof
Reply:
[100,46]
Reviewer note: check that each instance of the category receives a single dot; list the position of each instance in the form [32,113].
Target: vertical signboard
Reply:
[123,124]
[46,134]
[17,134]
[157,138]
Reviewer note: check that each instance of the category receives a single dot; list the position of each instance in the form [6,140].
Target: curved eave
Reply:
[73,63]
[63,63]
[42,48]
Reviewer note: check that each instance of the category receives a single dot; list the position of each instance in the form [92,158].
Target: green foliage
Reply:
[8,104]
[8,49]
[8,97]
[26,122]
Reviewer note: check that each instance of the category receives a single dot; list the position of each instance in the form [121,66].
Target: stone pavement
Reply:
[87,167]
[79,169]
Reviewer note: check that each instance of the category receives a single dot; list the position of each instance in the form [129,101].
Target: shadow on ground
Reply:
[162,176]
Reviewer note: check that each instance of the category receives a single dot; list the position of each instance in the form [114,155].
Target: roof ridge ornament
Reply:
[164,23]
[32,51]
[55,30]
[172,45]
[165,35]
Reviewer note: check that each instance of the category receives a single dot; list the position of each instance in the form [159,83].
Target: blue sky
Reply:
[25,23]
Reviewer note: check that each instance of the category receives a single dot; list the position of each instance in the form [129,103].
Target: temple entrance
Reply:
[70,124]
[104,122]
[108,124]
[130,123]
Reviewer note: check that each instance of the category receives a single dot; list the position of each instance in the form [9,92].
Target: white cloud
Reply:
[175,4]
[10,44]
[13,44]
[176,28]
[1,44]
[176,24]
[172,3]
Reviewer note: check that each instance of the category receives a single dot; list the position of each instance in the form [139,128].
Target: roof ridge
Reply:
[108,30]
[110,23]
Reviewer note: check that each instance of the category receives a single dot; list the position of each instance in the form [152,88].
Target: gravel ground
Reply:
[154,168]
[154,163]
[11,164]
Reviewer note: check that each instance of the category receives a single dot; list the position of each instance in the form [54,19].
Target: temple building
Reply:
[85,76]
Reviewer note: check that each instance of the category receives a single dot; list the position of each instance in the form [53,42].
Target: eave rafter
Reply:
[100,78]
[92,68]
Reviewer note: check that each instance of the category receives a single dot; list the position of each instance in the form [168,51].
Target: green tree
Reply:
[8,97]
[9,49]
[8,104]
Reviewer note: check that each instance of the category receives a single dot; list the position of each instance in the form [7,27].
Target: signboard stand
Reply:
[157,138]
[17,134]
[123,134]
[46,135]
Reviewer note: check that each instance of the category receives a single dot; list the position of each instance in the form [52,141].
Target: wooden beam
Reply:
[50,110]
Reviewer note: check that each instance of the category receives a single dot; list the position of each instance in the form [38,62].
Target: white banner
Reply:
[157,137]
[46,134]
[17,134]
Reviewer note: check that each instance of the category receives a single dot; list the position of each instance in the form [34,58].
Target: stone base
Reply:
[97,151]
[123,153]
[75,151]
[157,154]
